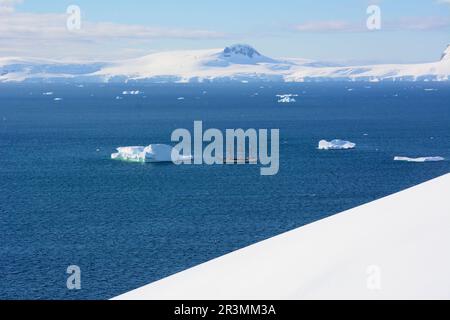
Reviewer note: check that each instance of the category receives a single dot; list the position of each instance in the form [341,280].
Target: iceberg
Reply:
[421,159]
[151,153]
[336,145]
[287,98]
[133,92]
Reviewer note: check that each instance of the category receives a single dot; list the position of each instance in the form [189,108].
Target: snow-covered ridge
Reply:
[234,63]
[446,54]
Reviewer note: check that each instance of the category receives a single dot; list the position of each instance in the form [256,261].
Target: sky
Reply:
[330,30]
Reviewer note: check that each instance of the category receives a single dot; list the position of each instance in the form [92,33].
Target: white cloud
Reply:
[420,23]
[47,35]
[7,6]
[406,23]
[324,26]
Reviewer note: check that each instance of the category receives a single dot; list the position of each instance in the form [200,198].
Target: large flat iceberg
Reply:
[336,145]
[421,159]
[151,153]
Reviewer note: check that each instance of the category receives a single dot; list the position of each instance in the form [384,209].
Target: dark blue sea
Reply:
[64,202]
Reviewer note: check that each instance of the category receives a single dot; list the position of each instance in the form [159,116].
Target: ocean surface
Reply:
[64,202]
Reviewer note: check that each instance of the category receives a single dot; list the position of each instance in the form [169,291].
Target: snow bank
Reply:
[336,145]
[393,248]
[421,159]
[151,153]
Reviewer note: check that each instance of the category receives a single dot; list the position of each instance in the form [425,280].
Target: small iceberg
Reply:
[133,92]
[57,99]
[180,98]
[151,153]
[336,145]
[287,98]
[421,159]
[47,93]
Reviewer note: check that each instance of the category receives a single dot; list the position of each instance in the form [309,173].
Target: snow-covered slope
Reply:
[238,62]
[234,63]
[31,69]
[393,248]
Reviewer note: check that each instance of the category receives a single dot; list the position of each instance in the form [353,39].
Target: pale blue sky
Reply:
[412,30]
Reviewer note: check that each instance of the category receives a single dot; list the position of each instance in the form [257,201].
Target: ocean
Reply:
[64,202]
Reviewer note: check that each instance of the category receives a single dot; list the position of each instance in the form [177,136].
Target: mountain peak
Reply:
[242,50]
[446,54]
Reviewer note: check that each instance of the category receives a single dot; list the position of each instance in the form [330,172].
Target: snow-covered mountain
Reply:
[234,63]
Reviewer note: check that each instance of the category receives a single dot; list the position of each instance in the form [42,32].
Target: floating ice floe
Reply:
[180,98]
[132,92]
[287,98]
[151,153]
[47,93]
[421,159]
[336,145]
[57,99]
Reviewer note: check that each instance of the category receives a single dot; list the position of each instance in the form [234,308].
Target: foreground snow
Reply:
[393,248]
[235,63]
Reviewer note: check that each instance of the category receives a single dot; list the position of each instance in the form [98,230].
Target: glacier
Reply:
[240,63]
[151,153]
[336,145]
